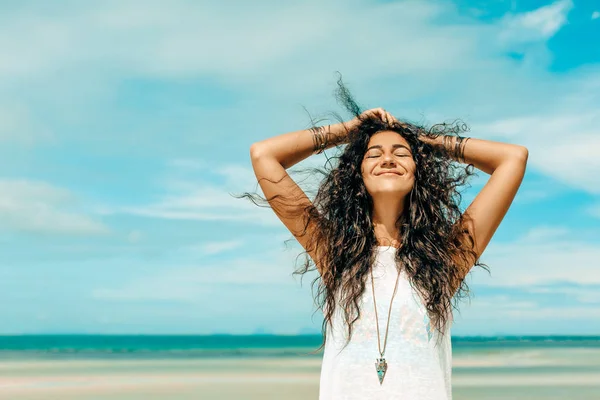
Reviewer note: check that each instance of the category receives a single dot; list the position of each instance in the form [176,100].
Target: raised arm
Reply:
[270,159]
[506,164]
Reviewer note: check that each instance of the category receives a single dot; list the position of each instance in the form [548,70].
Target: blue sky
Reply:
[124,126]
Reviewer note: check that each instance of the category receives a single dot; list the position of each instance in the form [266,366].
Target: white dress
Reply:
[417,368]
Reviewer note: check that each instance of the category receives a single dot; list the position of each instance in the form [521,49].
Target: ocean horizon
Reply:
[233,345]
[130,366]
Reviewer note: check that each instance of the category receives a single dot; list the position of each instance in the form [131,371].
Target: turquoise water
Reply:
[198,346]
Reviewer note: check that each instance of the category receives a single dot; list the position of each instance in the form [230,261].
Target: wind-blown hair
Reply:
[435,250]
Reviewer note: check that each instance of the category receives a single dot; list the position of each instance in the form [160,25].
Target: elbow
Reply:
[525,154]
[255,150]
[522,153]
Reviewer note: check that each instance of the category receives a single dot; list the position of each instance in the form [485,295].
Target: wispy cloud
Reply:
[530,282]
[157,40]
[581,293]
[195,190]
[546,136]
[212,248]
[202,202]
[537,259]
[119,86]
[542,255]
[539,24]
[190,281]
[30,206]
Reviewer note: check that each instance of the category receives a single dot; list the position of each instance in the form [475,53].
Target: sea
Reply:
[224,345]
[252,367]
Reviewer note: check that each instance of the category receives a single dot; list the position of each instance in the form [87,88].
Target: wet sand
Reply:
[562,374]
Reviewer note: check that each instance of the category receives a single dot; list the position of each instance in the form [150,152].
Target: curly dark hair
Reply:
[436,249]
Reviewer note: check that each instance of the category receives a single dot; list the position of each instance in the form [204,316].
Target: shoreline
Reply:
[254,378]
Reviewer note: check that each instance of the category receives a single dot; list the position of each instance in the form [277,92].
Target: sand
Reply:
[270,378]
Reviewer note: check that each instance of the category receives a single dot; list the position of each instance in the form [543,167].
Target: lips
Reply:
[389,173]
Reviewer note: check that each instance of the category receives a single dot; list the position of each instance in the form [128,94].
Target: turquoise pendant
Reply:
[381,367]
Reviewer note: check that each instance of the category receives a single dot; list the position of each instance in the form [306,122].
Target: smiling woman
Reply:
[389,241]
[388,172]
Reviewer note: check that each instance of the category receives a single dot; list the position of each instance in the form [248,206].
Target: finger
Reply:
[390,118]
[379,114]
[384,115]
[375,113]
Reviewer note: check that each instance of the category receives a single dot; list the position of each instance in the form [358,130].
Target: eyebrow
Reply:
[395,146]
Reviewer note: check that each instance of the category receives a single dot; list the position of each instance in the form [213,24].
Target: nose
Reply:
[388,160]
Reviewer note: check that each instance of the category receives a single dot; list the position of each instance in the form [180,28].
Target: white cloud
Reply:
[185,39]
[235,284]
[203,202]
[248,286]
[564,145]
[460,64]
[190,196]
[182,38]
[542,255]
[421,57]
[511,311]
[29,206]
[565,314]
[228,175]
[535,193]
[503,304]
[596,15]
[542,233]
[539,24]
[211,248]
[579,293]
[536,261]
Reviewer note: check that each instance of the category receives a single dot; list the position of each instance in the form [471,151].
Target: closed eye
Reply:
[397,155]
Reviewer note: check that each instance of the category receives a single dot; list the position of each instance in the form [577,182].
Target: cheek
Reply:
[364,168]
[364,172]
[411,166]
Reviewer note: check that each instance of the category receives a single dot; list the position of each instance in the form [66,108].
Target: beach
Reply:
[571,373]
[479,372]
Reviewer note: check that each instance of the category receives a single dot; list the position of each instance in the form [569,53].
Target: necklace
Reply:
[381,364]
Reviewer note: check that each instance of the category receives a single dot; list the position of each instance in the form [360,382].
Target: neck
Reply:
[385,217]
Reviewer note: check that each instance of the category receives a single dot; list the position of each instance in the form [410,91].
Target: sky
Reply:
[125,127]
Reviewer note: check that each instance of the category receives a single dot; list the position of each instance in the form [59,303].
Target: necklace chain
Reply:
[389,313]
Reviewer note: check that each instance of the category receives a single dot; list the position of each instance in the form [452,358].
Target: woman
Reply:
[389,241]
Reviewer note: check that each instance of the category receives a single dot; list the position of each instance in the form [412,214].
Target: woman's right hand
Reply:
[340,130]
[378,112]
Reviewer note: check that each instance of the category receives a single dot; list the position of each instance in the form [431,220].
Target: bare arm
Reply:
[270,159]
[290,148]
[293,147]
[506,164]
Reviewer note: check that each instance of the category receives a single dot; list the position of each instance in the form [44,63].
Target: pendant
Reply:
[381,367]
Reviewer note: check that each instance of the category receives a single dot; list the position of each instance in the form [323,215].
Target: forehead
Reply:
[386,139]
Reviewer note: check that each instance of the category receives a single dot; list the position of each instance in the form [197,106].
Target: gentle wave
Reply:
[210,346]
